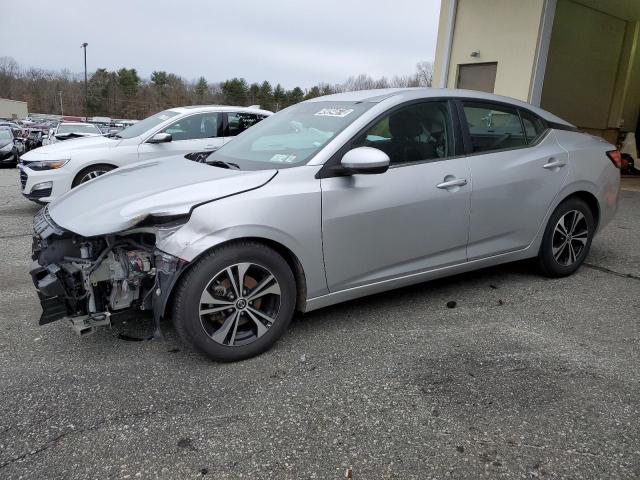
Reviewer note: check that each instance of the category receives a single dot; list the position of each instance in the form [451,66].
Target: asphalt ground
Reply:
[526,377]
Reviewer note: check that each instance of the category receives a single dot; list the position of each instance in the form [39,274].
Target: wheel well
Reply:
[288,255]
[93,165]
[591,200]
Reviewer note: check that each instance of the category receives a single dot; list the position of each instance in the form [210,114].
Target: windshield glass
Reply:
[148,123]
[5,136]
[77,128]
[291,137]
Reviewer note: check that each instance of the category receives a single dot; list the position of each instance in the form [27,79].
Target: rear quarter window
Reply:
[534,126]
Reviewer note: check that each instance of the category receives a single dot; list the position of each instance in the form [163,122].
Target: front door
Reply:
[194,133]
[518,168]
[412,218]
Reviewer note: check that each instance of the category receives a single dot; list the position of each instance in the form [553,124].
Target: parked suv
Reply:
[52,170]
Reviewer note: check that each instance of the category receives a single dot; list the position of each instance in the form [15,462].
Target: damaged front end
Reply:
[93,281]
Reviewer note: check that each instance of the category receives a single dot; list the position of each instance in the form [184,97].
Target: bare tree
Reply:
[425,73]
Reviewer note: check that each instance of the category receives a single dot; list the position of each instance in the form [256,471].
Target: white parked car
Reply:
[52,170]
[70,130]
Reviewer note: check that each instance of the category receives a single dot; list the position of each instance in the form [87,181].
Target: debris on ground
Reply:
[451,304]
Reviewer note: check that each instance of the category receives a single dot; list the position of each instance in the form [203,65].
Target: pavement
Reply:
[526,377]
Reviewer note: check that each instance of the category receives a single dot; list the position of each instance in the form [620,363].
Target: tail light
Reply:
[616,157]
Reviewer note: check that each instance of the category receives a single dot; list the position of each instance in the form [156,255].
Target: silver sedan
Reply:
[331,199]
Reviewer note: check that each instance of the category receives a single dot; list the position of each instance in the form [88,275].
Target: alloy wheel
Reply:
[91,175]
[239,304]
[569,238]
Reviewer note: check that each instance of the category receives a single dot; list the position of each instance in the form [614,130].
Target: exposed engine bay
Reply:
[90,280]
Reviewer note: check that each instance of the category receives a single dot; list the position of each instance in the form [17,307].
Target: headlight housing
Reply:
[47,164]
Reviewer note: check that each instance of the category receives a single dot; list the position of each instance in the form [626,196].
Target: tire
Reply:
[91,172]
[235,330]
[562,254]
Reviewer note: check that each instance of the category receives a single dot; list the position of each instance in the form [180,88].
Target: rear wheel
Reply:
[567,238]
[90,173]
[235,302]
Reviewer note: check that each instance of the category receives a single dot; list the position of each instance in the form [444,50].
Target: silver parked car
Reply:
[331,199]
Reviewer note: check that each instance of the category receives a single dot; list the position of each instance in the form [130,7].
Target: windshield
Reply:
[76,128]
[5,136]
[148,123]
[291,137]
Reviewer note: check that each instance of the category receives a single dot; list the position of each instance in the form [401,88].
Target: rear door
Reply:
[517,168]
[193,133]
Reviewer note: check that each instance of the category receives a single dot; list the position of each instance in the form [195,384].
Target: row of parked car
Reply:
[19,138]
[50,171]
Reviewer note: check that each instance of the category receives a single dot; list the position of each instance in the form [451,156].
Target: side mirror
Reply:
[365,160]
[160,138]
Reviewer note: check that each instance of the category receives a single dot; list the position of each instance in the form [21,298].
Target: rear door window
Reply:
[238,122]
[493,127]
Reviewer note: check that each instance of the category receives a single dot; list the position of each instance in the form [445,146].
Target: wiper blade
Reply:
[221,164]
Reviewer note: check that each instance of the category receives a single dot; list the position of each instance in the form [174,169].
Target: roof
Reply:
[401,94]
[219,108]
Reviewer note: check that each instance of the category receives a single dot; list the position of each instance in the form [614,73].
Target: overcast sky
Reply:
[284,41]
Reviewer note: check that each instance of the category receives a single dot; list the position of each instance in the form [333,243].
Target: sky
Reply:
[295,43]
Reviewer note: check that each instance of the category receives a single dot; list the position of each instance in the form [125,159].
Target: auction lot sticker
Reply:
[334,112]
[280,158]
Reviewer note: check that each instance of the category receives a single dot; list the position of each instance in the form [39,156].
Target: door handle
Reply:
[553,163]
[457,182]
[211,148]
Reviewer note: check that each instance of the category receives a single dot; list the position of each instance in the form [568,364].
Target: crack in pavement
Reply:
[611,272]
[16,235]
[52,442]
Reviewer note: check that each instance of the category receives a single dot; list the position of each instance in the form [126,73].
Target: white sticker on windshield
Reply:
[281,158]
[334,112]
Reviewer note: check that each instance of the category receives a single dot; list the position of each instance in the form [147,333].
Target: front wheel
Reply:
[567,238]
[90,173]
[235,302]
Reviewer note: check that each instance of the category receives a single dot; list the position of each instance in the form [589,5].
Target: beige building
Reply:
[579,59]
[13,109]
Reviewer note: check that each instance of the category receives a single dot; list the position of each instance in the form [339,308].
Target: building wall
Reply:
[13,109]
[504,31]
[582,67]
[631,99]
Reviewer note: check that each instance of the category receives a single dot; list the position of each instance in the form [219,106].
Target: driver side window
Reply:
[419,132]
[493,127]
[203,125]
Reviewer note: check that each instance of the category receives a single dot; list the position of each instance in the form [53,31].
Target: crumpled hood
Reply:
[61,150]
[123,197]
[72,135]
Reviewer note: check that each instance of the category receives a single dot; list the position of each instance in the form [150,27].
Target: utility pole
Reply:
[61,110]
[86,87]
